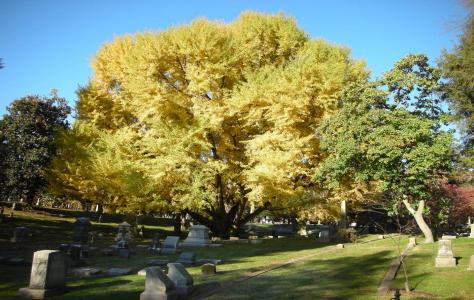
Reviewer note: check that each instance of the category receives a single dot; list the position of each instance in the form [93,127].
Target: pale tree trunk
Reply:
[418,215]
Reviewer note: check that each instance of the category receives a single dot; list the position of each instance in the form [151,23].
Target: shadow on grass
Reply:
[340,278]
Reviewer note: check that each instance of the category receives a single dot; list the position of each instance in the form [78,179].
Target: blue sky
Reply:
[49,44]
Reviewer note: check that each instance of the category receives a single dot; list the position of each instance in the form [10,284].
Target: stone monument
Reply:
[124,232]
[48,275]
[198,237]
[181,278]
[170,245]
[445,256]
[81,230]
[471,263]
[471,235]
[158,286]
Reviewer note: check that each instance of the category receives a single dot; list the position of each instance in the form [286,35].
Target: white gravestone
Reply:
[445,256]
[158,286]
[181,278]
[471,236]
[48,275]
[198,237]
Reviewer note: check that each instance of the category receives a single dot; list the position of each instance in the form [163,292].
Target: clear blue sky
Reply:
[49,44]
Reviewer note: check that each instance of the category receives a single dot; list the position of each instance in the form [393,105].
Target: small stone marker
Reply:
[448,237]
[208,269]
[254,241]
[471,236]
[142,272]
[340,246]
[20,234]
[471,263]
[48,275]
[381,237]
[85,272]
[182,280]
[158,286]
[81,230]
[187,258]
[158,262]
[170,245]
[198,236]
[119,271]
[445,256]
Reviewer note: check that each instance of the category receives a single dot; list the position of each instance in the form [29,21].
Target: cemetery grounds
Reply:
[284,268]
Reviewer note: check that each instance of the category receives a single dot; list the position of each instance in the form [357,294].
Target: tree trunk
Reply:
[177,223]
[418,215]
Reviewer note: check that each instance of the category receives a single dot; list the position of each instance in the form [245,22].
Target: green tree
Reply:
[458,68]
[214,119]
[386,142]
[28,131]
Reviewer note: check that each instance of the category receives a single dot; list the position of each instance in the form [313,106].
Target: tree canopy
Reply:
[210,118]
[27,144]
[387,140]
[458,67]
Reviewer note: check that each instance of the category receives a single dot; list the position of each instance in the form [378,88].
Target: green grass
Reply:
[351,273]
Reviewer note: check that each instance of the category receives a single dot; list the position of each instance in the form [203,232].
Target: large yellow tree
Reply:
[211,118]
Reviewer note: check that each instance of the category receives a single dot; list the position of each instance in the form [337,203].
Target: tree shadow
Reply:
[340,278]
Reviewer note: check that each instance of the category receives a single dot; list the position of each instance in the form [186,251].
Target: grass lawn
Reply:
[444,283]
[351,273]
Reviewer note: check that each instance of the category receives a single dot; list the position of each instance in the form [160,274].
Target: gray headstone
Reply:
[445,256]
[198,236]
[208,269]
[187,258]
[182,280]
[158,286]
[124,232]
[170,245]
[48,275]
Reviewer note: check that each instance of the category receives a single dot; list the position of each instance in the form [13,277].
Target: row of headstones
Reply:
[48,278]
[445,257]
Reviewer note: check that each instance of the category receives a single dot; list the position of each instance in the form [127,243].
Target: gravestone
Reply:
[155,244]
[208,269]
[124,232]
[81,230]
[48,275]
[448,237]
[324,234]
[412,242]
[118,271]
[471,236]
[198,236]
[20,234]
[182,280]
[158,286]
[170,245]
[471,263]
[75,252]
[445,256]
[340,246]
[187,258]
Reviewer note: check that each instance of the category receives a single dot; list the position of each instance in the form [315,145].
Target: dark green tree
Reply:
[458,69]
[387,139]
[27,135]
